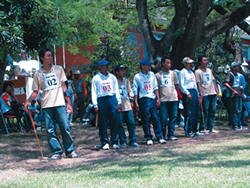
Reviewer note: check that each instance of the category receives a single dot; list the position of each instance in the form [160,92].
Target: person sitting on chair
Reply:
[7,98]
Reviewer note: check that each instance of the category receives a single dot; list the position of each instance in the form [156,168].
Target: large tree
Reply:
[191,25]
[22,29]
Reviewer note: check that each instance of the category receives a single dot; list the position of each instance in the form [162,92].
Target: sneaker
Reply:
[204,131]
[162,141]
[181,124]
[198,134]
[105,147]
[124,145]
[190,135]
[150,142]
[213,131]
[73,154]
[115,146]
[243,128]
[172,138]
[55,157]
[134,144]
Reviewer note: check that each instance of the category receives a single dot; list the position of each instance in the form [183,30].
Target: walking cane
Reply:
[32,122]
[202,115]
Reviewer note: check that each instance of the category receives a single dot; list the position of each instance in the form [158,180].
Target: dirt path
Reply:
[19,152]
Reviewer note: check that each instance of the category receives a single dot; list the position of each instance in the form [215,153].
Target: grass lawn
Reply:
[221,163]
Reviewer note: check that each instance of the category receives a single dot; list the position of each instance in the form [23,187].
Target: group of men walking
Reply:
[111,96]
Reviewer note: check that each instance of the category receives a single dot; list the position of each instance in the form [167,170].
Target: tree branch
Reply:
[224,23]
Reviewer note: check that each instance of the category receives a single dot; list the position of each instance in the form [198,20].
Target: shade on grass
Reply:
[216,164]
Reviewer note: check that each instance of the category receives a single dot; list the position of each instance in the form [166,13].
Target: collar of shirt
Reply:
[146,76]
[45,71]
[103,77]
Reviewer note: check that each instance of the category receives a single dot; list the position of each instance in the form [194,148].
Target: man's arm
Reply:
[65,92]
[32,97]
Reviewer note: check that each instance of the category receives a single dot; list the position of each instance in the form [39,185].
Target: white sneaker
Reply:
[115,146]
[162,141]
[150,142]
[105,147]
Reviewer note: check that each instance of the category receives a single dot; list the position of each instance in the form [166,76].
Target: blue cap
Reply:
[234,64]
[145,62]
[103,62]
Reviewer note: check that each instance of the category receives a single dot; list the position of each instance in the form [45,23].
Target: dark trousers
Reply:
[190,111]
[149,107]
[108,114]
[80,103]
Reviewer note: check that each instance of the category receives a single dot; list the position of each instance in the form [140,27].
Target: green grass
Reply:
[217,164]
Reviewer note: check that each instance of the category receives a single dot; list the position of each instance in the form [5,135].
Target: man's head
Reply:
[45,55]
[120,70]
[166,63]
[202,60]
[104,66]
[187,62]
[77,74]
[235,67]
[145,65]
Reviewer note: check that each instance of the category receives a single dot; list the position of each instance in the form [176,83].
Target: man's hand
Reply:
[26,106]
[189,96]
[136,106]
[158,103]
[96,110]
[119,108]
[69,109]
[236,93]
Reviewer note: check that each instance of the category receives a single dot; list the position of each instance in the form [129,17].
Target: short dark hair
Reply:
[164,59]
[42,53]
[200,58]
[5,85]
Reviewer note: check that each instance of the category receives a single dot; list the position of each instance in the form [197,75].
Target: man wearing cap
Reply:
[81,94]
[208,92]
[232,82]
[106,100]
[168,85]
[190,95]
[146,90]
[126,116]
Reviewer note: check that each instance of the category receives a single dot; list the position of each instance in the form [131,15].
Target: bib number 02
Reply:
[52,82]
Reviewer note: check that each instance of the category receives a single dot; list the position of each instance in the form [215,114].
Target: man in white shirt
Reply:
[146,90]
[106,100]
[190,95]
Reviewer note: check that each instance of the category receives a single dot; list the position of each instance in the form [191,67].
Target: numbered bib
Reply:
[123,90]
[166,80]
[207,78]
[236,81]
[51,81]
[147,87]
[106,88]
